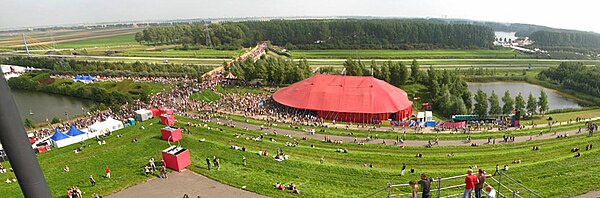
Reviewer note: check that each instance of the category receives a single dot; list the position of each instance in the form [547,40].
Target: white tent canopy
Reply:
[106,126]
[143,114]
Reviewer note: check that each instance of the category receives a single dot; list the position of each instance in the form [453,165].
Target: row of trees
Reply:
[577,39]
[394,73]
[531,107]
[71,66]
[574,76]
[271,70]
[325,34]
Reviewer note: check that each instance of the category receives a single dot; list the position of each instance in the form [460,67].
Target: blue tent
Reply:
[74,132]
[77,77]
[58,136]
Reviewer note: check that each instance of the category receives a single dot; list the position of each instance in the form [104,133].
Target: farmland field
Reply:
[125,39]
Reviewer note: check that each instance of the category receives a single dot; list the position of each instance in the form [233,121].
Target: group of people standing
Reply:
[473,183]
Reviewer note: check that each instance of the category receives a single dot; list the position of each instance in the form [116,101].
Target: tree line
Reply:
[325,34]
[273,71]
[567,39]
[574,76]
[491,106]
[72,67]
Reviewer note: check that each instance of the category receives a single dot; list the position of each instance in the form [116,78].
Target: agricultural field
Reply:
[339,170]
[119,40]
[50,40]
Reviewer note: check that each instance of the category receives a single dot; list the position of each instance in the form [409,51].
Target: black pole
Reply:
[18,149]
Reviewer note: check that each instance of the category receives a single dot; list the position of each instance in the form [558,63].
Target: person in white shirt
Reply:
[491,193]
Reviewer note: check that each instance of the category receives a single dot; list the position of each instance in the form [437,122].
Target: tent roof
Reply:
[230,76]
[58,135]
[74,131]
[349,94]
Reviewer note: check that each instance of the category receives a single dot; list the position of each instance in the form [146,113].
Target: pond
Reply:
[39,106]
[555,101]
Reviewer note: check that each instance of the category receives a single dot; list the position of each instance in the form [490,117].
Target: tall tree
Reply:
[520,103]
[414,70]
[543,102]
[481,105]
[403,73]
[495,108]
[531,104]
[509,103]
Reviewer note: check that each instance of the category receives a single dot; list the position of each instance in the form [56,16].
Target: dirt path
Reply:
[348,139]
[181,183]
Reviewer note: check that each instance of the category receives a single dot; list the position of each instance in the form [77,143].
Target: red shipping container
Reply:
[167,119]
[176,158]
[171,134]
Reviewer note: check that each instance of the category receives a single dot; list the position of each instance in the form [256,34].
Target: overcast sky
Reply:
[572,14]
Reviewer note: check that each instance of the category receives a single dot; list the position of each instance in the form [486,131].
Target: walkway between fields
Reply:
[349,139]
[181,183]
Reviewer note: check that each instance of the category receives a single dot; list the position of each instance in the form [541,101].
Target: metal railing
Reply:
[454,188]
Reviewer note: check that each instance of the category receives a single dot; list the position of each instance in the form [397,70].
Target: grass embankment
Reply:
[550,171]
[411,135]
[404,54]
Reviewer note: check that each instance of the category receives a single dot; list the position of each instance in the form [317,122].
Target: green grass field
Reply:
[404,54]
[549,171]
[201,53]
[126,39]
[205,96]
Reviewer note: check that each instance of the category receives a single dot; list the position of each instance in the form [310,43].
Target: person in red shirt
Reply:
[470,182]
[107,170]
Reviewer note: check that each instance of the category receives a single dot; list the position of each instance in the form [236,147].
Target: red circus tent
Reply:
[347,98]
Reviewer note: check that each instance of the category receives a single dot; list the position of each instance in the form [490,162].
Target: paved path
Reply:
[348,139]
[181,183]
[591,194]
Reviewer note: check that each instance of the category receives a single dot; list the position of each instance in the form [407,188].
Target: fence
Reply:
[454,186]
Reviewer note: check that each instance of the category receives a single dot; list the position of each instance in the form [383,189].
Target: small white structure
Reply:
[143,114]
[106,126]
[428,116]
[421,116]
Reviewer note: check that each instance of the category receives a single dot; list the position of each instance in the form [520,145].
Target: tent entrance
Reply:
[393,116]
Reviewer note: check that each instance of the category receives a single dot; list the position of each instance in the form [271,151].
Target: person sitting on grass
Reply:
[577,154]
[295,190]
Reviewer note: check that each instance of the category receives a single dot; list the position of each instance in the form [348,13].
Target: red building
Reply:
[362,99]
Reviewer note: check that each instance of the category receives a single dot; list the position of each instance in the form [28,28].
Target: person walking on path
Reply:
[480,183]
[470,182]
[497,170]
[208,163]
[92,181]
[425,185]
[107,170]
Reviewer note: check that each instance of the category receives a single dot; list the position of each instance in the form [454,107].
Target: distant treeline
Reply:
[325,34]
[71,66]
[567,40]
[574,76]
